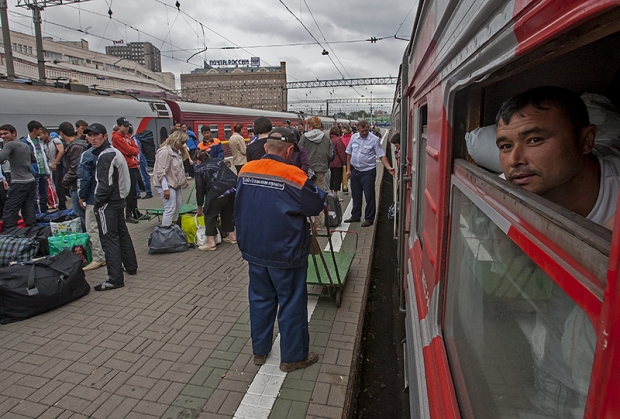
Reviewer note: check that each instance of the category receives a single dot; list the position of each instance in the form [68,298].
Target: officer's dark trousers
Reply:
[115,240]
[363,182]
[268,288]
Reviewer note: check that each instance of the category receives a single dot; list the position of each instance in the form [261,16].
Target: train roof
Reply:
[187,107]
[19,99]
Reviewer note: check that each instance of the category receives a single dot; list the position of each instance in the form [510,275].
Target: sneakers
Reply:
[367,223]
[147,196]
[107,286]
[94,265]
[131,220]
[260,359]
[292,366]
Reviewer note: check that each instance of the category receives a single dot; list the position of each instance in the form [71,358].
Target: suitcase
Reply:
[334,210]
[17,249]
[39,233]
[34,287]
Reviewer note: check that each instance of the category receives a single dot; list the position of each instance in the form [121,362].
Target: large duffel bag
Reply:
[34,287]
[39,233]
[17,249]
[168,239]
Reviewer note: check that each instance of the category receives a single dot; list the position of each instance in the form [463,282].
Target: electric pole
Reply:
[37,6]
[6,38]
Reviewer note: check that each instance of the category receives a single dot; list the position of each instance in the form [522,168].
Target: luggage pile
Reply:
[41,267]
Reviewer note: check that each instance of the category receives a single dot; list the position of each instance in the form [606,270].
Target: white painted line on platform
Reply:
[265,388]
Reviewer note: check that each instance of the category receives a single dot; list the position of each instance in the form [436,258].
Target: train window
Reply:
[163,133]
[214,131]
[517,344]
[227,131]
[421,170]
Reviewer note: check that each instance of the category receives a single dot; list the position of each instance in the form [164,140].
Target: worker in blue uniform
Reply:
[272,203]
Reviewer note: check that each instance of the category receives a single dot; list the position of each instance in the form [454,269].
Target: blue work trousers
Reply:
[270,287]
[363,182]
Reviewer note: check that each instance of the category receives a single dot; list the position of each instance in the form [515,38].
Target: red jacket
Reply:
[129,149]
[340,157]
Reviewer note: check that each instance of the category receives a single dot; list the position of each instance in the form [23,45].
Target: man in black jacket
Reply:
[113,186]
[71,160]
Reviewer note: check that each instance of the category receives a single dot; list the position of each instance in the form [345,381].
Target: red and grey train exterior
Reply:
[51,106]
[474,350]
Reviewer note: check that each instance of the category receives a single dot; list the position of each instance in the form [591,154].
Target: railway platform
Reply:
[175,343]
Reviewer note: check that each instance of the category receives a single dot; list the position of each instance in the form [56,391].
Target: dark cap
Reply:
[287,122]
[95,128]
[284,134]
[122,121]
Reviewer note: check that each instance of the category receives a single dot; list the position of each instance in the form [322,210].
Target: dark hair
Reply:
[9,128]
[395,138]
[81,123]
[32,125]
[335,130]
[202,155]
[205,128]
[43,130]
[569,103]
[238,127]
[174,129]
[262,125]
[67,129]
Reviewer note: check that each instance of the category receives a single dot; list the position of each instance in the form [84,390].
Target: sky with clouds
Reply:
[268,29]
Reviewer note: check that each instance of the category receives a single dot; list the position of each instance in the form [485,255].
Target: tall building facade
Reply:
[247,87]
[74,61]
[143,53]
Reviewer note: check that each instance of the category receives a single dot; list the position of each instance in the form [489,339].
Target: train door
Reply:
[161,131]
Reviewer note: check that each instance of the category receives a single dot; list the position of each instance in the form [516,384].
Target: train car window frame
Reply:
[421,132]
[501,202]
[227,131]
[214,130]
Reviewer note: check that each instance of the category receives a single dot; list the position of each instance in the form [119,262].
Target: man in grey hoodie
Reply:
[320,151]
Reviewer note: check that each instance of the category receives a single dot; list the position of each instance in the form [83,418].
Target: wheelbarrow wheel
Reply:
[338,297]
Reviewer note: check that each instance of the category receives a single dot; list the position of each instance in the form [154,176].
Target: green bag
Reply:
[78,243]
[188,224]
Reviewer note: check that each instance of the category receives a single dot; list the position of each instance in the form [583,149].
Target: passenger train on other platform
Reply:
[20,104]
[512,302]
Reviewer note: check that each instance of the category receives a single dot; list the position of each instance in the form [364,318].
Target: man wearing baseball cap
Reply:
[272,202]
[112,187]
[121,140]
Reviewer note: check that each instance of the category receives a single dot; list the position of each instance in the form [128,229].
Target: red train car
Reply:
[221,119]
[512,302]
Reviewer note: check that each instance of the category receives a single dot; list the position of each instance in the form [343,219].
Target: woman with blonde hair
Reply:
[169,175]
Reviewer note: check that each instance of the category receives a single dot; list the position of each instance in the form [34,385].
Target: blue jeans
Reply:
[144,174]
[41,186]
[268,288]
[77,209]
[363,182]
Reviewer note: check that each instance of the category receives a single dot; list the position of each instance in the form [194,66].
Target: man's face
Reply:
[300,127]
[123,128]
[80,130]
[364,131]
[184,128]
[96,140]
[35,133]
[44,136]
[7,136]
[206,136]
[538,149]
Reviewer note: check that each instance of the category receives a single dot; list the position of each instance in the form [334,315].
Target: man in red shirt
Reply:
[123,143]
